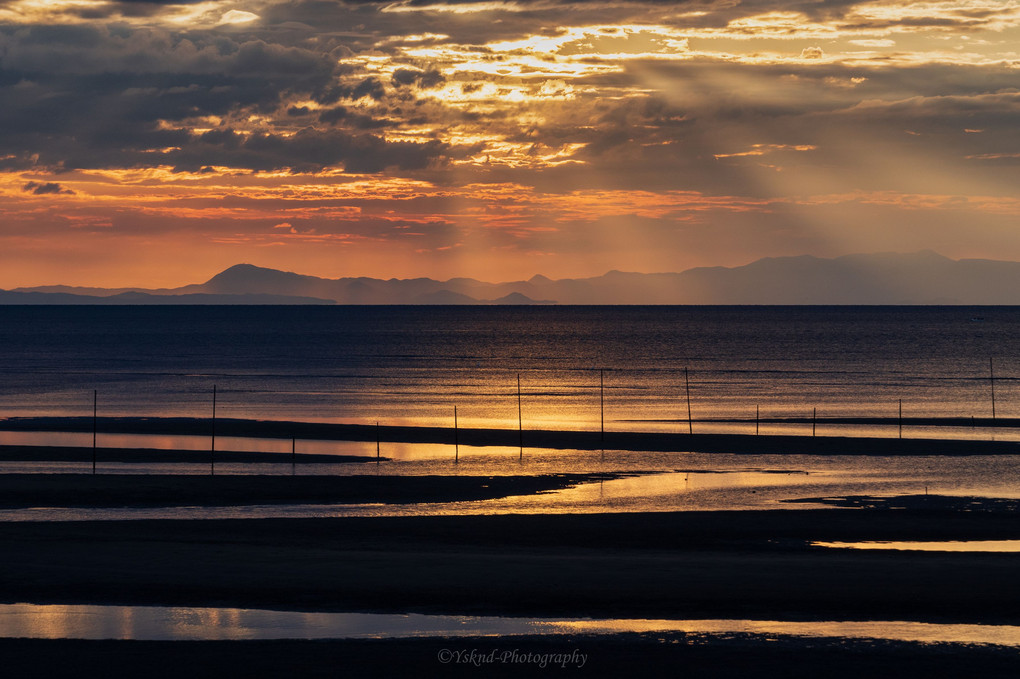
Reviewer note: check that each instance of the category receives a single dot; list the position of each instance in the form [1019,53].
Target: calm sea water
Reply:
[412,365]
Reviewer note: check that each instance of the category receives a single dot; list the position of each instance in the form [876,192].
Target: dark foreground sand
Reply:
[674,565]
[755,564]
[173,490]
[646,655]
[104,455]
[572,440]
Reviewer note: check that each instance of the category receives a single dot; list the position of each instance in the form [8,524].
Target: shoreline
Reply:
[749,444]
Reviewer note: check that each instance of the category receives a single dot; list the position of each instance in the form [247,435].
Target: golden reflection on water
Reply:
[671,491]
[677,483]
[41,622]
[870,629]
[153,622]
[941,546]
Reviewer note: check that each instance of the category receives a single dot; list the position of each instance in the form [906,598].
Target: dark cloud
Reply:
[340,114]
[370,88]
[128,8]
[309,150]
[424,79]
[40,189]
[95,49]
[95,96]
[334,116]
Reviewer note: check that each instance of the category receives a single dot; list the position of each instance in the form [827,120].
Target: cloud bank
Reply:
[500,139]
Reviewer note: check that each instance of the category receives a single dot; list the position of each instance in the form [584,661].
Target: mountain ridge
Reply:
[918,278]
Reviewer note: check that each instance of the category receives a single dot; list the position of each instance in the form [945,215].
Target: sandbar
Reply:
[552,439]
[174,490]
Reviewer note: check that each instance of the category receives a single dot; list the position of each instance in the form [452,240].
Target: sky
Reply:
[155,143]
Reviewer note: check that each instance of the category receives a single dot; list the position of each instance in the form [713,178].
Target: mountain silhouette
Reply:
[884,278]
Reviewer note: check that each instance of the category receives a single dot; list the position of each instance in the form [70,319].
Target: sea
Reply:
[771,370]
[626,368]
[795,370]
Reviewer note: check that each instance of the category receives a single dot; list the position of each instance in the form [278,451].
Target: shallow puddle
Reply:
[55,621]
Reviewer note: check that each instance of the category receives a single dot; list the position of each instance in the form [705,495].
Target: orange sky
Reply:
[157,143]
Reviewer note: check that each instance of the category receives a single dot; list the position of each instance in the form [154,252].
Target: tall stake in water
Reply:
[991,378]
[377,443]
[212,448]
[687,383]
[520,420]
[755,420]
[814,420]
[293,456]
[901,418]
[456,443]
[602,405]
[95,413]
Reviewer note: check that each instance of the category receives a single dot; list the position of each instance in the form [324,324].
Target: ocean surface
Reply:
[624,368]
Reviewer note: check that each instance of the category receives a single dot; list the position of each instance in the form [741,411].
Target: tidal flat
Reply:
[679,565]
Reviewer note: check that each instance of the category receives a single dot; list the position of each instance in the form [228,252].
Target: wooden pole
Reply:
[95,413]
[756,420]
[293,456]
[377,443]
[456,442]
[690,422]
[520,419]
[814,420]
[991,377]
[212,449]
[901,418]
[602,405]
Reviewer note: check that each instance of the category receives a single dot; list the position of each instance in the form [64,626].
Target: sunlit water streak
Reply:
[972,546]
[58,621]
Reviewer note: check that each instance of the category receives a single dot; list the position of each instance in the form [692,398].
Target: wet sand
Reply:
[953,503]
[756,564]
[23,453]
[741,564]
[166,490]
[570,440]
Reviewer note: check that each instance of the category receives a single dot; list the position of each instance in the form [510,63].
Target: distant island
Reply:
[920,278]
